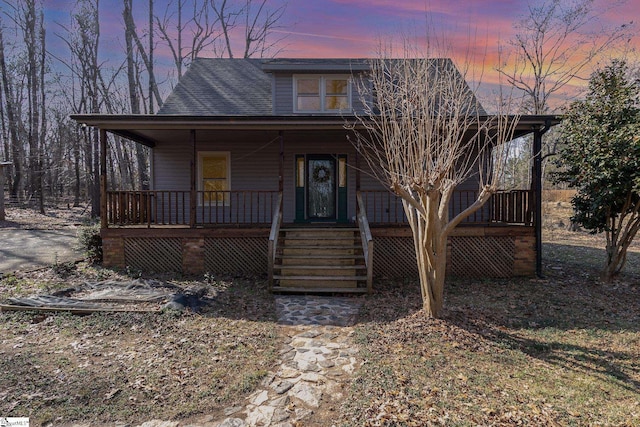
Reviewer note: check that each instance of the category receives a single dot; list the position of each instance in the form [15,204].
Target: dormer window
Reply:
[321,94]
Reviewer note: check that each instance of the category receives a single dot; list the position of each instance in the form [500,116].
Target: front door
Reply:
[321,187]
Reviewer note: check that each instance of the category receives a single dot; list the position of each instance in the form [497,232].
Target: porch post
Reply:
[192,199]
[537,195]
[281,167]
[357,171]
[103,179]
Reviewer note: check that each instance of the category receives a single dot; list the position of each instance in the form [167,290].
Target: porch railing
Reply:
[257,207]
[273,238]
[172,207]
[507,207]
[367,240]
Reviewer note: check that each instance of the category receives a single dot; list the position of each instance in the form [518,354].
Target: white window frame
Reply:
[200,182]
[322,88]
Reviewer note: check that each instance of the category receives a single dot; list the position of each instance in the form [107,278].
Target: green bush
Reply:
[91,242]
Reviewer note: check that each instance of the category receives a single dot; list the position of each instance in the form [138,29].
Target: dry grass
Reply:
[563,350]
[554,196]
[132,367]
[560,351]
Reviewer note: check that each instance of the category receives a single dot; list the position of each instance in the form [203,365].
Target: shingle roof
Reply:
[242,87]
[221,87]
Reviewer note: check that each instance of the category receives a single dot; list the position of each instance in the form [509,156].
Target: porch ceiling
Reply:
[153,129]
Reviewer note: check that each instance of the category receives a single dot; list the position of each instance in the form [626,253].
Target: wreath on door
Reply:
[321,174]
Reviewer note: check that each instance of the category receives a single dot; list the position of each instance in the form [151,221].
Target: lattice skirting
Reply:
[488,256]
[470,256]
[236,255]
[394,257]
[153,254]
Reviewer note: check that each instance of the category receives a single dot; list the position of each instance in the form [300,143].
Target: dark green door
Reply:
[321,188]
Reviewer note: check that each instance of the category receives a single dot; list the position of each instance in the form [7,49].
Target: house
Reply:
[252,172]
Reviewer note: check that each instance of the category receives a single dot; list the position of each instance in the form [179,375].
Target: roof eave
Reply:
[122,124]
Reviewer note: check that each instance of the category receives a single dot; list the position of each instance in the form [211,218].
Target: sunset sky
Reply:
[353,28]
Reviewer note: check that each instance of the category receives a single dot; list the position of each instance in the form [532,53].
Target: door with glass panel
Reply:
[321,187]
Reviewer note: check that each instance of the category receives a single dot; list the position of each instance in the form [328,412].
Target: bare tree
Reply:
[152,81]
[200,25]
[257,21]
[28,18]
[554,43]
[83,40]
[13,120]
[141,155]
[425,133]
[147,57]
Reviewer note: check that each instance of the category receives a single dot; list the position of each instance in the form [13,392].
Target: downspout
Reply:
[537,191]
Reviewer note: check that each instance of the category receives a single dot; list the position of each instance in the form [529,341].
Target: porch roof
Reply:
[152,129]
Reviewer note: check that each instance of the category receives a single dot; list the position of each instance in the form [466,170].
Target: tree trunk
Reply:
[12,122]
[431,257]
[431,279]
[141,155]
[152,82]
[43,111]
[618,246]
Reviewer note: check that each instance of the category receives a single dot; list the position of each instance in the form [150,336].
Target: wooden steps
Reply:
[319,259]
[321,290]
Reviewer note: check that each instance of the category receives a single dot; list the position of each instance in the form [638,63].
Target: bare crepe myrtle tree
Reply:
[423,133]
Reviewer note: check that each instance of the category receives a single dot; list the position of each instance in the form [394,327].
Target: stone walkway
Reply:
[315,364]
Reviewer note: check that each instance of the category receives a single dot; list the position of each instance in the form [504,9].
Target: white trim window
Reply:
[214,173]
[321,94]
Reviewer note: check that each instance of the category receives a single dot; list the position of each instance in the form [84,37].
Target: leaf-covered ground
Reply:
[563,350]
[105,368]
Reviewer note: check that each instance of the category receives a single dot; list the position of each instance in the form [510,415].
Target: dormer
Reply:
[315,86]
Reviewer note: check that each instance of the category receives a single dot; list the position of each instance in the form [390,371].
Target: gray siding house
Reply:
[252,171]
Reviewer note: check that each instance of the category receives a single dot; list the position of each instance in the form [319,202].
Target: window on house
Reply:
[213,178]
[322,93]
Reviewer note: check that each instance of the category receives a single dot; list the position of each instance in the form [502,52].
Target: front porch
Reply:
[226,191]
[242,232]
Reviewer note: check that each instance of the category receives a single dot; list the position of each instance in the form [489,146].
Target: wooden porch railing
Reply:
[367,240]
[257,207]
[172,207]
[512,207]
[273,238]
[508,207]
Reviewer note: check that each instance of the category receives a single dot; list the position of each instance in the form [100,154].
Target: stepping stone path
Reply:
[315,363]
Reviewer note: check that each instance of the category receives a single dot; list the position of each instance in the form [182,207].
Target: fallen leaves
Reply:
[120,367]
[514,352]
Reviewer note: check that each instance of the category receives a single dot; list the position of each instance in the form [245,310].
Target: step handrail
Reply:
[273,237]
[367,240]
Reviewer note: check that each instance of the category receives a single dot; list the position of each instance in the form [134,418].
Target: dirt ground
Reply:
[55,218]
[29,240]
[521,352]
